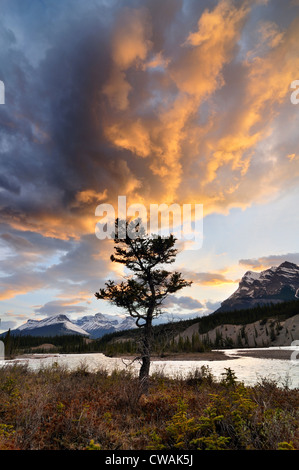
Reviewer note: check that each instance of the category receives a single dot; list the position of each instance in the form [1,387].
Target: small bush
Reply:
[57,409]
[285,446]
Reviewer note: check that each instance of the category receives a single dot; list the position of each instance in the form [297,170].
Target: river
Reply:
[249,370]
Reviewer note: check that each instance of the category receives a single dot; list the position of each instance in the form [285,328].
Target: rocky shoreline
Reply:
[281,354]
[266,353]
[217,355]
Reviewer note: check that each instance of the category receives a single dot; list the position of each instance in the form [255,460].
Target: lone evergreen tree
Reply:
[142,293]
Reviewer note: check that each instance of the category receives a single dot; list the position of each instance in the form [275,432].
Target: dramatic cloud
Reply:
[57,306]
[11,320]
[31,262]
[266,262]
[116,106]
[183,302]
[208,279]
[175,101]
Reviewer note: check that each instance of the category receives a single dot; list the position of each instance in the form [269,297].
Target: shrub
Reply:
[58,409]
[285,446]
[199,376]
[93,446]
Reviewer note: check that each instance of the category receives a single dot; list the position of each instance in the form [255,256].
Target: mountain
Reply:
[260,333]
[93,326]
[127,324]
[276,284]
[56,325]
[99,325]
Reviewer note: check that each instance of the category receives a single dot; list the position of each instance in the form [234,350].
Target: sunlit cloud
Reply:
[267,262]
[58,306]
[172,102]
[208,278]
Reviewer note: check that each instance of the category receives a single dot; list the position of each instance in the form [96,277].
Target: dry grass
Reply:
[58,409]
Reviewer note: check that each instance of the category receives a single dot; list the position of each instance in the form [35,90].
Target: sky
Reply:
[180,101]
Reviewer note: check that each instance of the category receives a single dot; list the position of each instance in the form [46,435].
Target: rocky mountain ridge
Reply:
[276,284]
[92,326]
[259,334]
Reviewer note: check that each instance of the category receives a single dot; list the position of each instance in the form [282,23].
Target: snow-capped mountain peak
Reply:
[126,324]
[93,326]
[251,276]
[97,325]
[276,284]
[50,326]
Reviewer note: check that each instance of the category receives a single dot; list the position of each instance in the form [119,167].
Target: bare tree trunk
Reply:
[146,357]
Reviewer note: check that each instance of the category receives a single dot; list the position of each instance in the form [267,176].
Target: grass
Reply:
[59,409]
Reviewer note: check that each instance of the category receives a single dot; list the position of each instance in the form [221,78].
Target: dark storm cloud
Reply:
[9,184]
[87,261]
[183,302]
[59,306]
[5,325]
[55,63]
[51,136]
[72,268]
[135,97]
[57,136]
[65,68]
[213,306]
[52,127]
[265,262]
[26,242]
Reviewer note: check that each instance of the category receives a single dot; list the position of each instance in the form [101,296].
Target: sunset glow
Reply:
[164,102]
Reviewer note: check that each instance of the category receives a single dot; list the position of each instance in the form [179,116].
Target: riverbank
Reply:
[217,355]
[280,354]
[205,356]
[265,353]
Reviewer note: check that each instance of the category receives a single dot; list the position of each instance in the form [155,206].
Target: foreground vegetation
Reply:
[59,409]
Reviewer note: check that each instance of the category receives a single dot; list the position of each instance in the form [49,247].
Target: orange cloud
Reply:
[293,157]
[244,152]
[130,135]
[130,41]
[191,118]
[208,279]
[90,196]
[198,72]
[117,90]
[266,262]
[21,288]
[130,46]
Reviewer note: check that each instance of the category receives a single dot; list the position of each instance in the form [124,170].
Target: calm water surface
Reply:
[247,369]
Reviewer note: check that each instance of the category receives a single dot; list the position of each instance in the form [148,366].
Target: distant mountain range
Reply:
[98,325]
[276,284]
[92,326]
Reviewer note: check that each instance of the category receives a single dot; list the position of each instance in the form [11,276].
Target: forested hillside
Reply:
[168,337]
